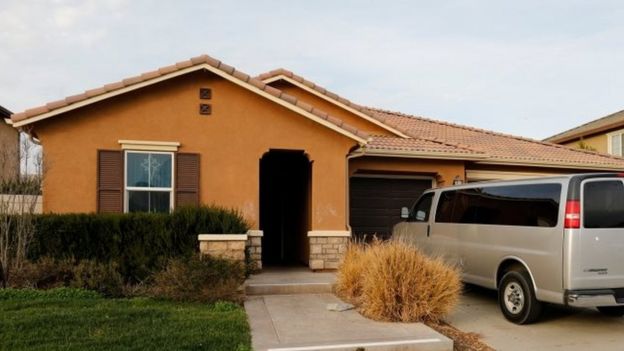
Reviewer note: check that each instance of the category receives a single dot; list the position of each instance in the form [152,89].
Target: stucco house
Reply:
[304,165]
[9,147]
[603,135]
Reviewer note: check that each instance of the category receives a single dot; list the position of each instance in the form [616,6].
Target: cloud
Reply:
[507,66]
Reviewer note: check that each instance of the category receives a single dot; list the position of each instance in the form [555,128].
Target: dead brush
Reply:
[349,276]
[392,281]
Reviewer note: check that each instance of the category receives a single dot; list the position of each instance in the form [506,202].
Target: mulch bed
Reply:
[462,341]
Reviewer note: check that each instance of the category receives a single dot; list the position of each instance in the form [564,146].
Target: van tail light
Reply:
[572,214]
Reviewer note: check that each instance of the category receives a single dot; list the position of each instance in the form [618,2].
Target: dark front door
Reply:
[375,203]
[284,207]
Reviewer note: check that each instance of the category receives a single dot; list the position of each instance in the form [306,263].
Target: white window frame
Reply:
[610,136]
[127,188]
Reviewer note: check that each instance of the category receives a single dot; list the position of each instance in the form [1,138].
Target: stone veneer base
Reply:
[327,248]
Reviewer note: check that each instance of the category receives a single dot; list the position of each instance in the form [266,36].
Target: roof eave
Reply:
[569,136]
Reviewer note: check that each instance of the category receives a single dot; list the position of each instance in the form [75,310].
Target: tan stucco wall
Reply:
[444,171]
[599,142]
[331,108]
[9,151]
[243,126]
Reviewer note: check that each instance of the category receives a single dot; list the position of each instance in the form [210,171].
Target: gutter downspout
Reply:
[349,157]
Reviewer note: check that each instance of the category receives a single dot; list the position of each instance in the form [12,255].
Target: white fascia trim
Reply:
[108,95]
[414,154]
[222,237]
[255,233]
[329,233]
[149,145]
[504,175]
[337,103]
[551,165]
[207,67]
[8,121]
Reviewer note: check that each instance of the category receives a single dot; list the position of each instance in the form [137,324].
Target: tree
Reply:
[584,146]
[19,195]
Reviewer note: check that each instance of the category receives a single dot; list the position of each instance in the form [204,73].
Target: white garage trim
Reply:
[479,175]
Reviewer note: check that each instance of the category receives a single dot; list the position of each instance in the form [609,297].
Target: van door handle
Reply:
[428,230]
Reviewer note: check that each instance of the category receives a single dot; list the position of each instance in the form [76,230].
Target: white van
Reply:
[554,239]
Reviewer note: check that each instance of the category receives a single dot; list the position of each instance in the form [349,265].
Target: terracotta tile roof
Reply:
[195,61]
[612,121]
[422,136]
[276,73]
[415,145]
[498,146]
[283,72]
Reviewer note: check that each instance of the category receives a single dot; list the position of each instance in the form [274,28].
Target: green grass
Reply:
[67,319]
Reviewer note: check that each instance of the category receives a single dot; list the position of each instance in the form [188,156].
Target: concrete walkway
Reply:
[291,318]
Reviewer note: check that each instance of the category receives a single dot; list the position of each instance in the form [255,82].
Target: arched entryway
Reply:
[285,183]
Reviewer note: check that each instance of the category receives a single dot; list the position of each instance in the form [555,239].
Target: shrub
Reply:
[201,279]
[45,273]
[101,277]
[139,243]
[397,282]
[208,220]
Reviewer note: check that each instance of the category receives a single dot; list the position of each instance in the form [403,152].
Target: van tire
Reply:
[516,297]
[612,311]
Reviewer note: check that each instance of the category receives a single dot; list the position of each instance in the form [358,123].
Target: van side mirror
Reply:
[404,212]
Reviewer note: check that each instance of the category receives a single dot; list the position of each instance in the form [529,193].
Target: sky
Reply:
[529,68]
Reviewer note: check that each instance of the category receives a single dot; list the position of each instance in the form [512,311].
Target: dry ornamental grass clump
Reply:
[348,284]
[392,281]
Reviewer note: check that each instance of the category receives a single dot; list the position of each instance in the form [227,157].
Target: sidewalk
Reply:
[302,322]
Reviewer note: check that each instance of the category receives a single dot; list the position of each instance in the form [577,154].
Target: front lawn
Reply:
[65,319]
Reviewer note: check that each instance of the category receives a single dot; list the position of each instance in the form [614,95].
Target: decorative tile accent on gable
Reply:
[205,109]
[205,93]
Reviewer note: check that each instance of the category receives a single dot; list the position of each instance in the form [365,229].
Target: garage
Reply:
[375,202]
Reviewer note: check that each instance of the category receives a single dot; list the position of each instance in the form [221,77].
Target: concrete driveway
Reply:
[559,329]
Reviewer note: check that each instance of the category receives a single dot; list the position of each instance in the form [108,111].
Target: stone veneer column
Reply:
[227,246]
[254,247]
[327,248]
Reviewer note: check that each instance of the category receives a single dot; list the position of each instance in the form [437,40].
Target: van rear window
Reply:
[603,204]
[532,205]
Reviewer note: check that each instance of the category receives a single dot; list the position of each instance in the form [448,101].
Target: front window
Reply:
[149,181]
[615,144]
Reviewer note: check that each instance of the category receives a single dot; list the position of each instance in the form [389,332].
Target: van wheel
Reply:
[612,311]
[516,298]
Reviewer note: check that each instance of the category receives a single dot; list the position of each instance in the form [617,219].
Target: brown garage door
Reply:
[375,203]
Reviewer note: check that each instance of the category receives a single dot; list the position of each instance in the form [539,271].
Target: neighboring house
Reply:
[603,135]
[9,147]
[299,161]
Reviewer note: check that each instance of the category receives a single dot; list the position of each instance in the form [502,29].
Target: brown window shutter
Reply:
[110,181]
[187,180]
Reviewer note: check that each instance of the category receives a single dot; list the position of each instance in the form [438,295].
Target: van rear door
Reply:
[598,250]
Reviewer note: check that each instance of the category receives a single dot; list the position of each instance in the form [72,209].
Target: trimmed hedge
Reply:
[138,243]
